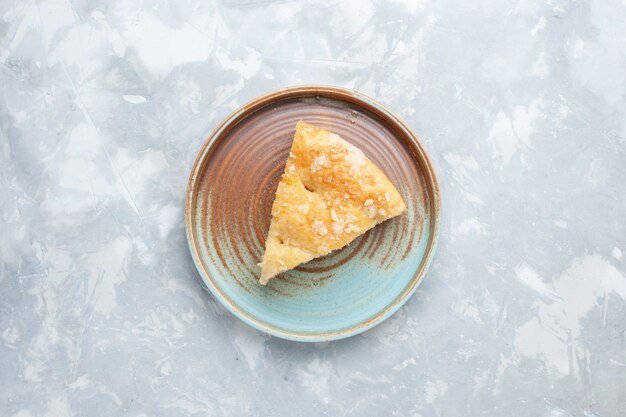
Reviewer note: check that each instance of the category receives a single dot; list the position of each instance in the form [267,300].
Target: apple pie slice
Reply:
[330,193]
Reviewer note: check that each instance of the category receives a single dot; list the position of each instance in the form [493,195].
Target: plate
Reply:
[228,211]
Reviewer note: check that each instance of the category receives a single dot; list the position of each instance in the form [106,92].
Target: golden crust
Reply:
[330,193]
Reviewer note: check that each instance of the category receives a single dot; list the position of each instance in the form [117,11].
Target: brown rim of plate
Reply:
[337,93]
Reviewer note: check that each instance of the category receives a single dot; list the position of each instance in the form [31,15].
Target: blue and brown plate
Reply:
[228,211]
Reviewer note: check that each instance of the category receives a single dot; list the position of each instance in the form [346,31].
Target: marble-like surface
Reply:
[104,105]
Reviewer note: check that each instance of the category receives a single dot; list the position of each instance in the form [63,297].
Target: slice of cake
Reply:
[329,194]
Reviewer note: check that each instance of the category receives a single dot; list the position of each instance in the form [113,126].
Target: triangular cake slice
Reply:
[330,193]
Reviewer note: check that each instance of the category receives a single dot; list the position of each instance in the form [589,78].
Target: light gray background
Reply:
[104,105]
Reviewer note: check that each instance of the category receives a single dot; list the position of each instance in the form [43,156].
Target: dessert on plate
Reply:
[329,194]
